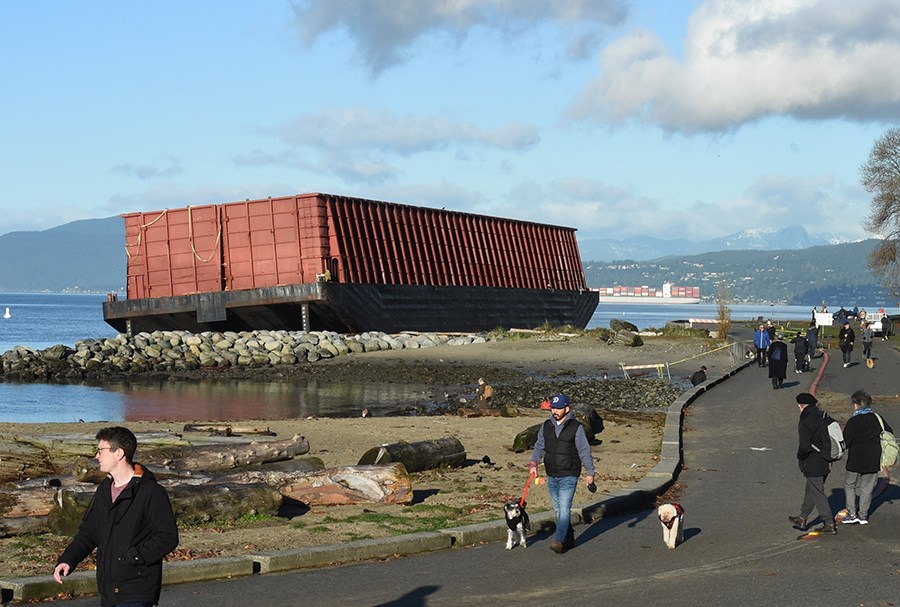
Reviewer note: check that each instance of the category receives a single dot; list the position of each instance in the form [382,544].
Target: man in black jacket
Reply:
[813,466]
[862,435]
[130,523]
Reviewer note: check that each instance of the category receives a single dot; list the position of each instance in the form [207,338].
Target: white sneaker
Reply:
[863,521]
[846,365]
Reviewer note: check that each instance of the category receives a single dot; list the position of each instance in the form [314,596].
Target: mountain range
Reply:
[644,248]
[786,266]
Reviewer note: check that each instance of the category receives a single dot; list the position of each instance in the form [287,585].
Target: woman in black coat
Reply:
[778,359]
[862,436]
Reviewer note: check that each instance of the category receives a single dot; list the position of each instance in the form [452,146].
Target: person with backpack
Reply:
[813,465]
[483,395]
[778,359]
[862,435]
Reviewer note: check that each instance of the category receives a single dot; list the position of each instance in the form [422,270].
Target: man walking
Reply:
[130,523]
[762,341]
[813,466]
[862,436]
[563,445]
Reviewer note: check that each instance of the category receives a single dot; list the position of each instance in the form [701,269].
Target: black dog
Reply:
[517,523]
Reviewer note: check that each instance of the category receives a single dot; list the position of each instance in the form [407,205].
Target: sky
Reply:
[668,118]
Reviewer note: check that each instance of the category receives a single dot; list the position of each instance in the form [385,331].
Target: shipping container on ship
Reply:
[669,294]
[320,261]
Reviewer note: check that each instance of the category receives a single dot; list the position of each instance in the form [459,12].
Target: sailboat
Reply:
[7,314]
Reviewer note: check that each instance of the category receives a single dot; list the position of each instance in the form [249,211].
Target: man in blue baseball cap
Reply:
[563,445]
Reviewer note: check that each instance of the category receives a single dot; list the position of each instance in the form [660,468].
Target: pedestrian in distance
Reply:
[814,467]
[130,523]
[761,342]
[563,445]
[698,376]
[846,337]
[862,436]
[778,360]
[812,336]
[801,348]
[866,336]
[483,395]
[887,327]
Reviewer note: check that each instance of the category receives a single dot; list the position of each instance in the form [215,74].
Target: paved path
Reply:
[739,485]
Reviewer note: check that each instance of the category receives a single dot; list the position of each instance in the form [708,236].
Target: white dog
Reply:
[671,516]
[517,524]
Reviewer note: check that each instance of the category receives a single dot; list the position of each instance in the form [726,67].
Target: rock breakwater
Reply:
[168,351]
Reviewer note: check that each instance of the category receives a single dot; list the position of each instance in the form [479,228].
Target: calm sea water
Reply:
[43,320]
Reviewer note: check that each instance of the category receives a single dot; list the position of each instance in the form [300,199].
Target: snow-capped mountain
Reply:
[646,248]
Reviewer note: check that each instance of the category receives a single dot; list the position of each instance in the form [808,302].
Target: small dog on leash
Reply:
[671,516]
[517,524]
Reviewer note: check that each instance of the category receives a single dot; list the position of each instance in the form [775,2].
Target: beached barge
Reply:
[325,262]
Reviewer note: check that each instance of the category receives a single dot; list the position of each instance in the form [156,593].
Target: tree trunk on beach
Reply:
[190,503]
[19,460]
[352,485]
[213,458]
[422,455]
[228,429]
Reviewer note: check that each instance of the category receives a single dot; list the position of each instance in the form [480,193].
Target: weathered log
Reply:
[388,484]
[422,455]
[33,501]
[62,447]
[190,503]
[21,525]
[466,412]
[213,458]
[275,475]
[20,460]
[228,430]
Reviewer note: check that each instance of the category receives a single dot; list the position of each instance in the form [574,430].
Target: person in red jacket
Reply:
[862,435]
[130,523]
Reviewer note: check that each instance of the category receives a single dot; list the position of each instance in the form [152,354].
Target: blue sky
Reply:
[667,119]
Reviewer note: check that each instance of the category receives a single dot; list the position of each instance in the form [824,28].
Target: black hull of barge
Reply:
[354,308]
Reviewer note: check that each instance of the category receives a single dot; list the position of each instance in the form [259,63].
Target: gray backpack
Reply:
[830,439]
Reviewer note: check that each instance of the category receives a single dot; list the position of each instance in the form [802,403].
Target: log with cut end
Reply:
[31,501]
[213,458]
[21,525]
[388,484]
[422,455]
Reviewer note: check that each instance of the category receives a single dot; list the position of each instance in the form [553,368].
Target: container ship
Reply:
[669,294]
[325,262]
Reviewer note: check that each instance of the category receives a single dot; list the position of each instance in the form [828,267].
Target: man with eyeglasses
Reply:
[130,523]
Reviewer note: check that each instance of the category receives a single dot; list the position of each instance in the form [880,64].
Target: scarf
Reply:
[862,411]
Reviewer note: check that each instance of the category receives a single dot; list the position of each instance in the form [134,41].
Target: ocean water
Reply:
[43,320]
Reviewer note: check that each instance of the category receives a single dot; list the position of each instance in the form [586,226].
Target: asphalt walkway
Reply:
[739,484]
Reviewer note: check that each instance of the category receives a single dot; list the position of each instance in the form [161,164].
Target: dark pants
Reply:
[815,497]
[799,361]
[760,356]
[867,349]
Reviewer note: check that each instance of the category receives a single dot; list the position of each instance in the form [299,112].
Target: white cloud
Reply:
[165,168]
[743,61]
[385,31]
[362,128]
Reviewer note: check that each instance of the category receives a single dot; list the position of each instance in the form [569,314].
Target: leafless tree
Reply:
[880,175]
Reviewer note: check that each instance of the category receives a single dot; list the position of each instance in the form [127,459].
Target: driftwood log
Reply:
[228,429]
[20,525]
[352,485]
[422,455]
[190,503]
[31,501]
[214,458]
[22,459]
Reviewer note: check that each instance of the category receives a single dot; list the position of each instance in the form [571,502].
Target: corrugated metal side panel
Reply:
[262,243]
[315,239]
[178,252]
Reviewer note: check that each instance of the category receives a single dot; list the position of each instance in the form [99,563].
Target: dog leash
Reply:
[531,475]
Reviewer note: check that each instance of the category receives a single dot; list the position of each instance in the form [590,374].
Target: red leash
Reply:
[527,486]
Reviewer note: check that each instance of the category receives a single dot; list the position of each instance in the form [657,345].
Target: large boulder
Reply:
[621,325]
[627,338]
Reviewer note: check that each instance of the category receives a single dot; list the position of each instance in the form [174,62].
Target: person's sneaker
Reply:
[798,521]
[850,520]
[863,521]
[557,547]
[827,529]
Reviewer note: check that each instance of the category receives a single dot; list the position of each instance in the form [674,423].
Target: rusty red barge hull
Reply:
[325,262]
